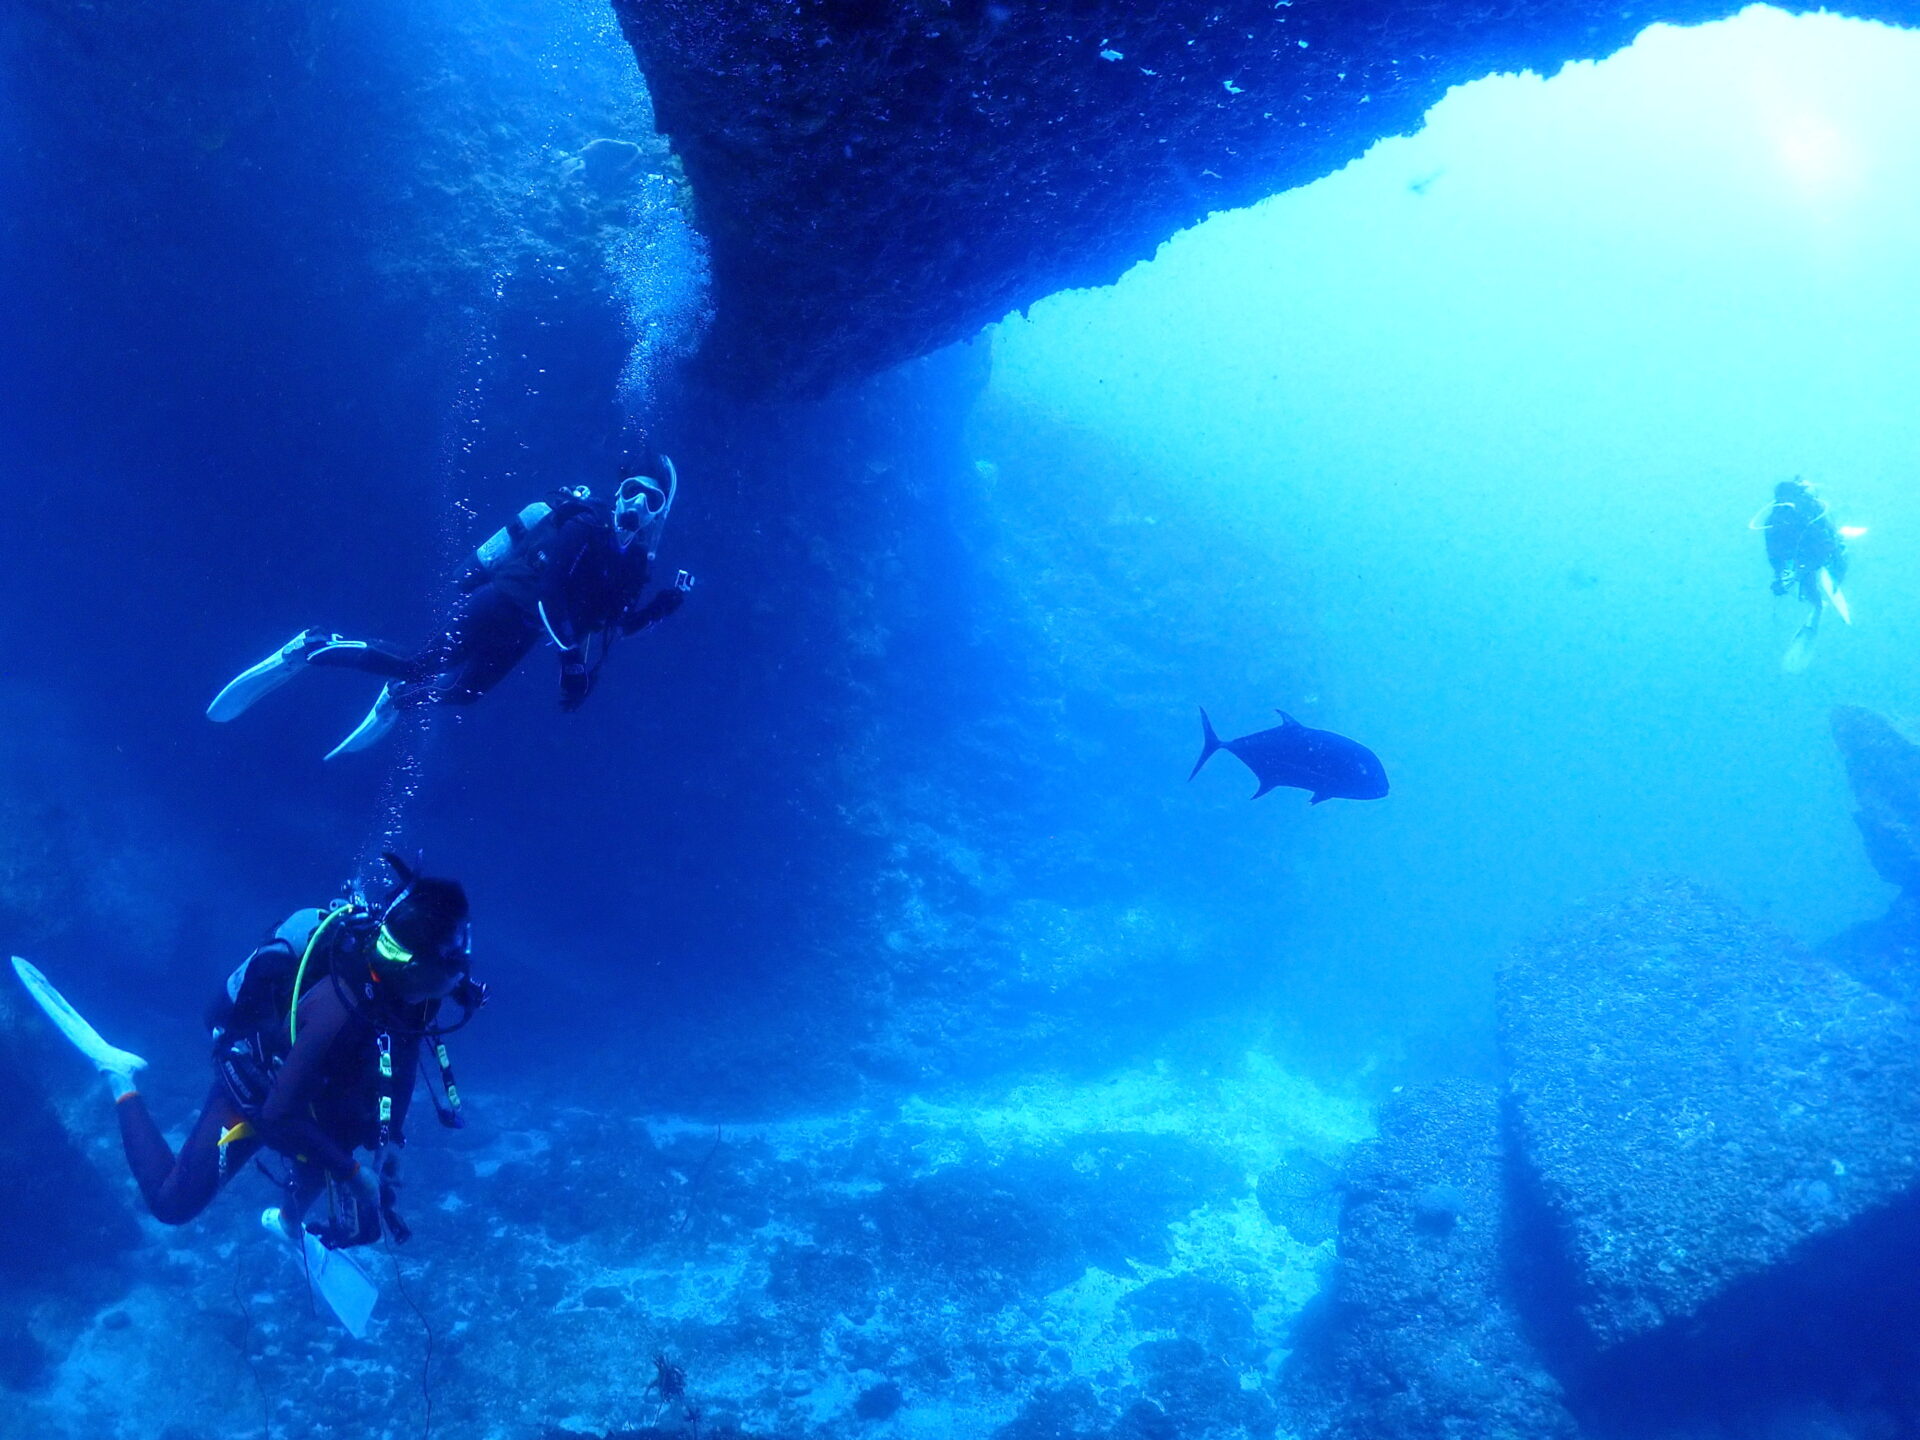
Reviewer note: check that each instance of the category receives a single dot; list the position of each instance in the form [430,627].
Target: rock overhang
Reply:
[877,181]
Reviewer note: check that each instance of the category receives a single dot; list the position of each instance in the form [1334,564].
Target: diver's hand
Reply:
[390,1183]
[356,1213]
[576,683]
[1781,584]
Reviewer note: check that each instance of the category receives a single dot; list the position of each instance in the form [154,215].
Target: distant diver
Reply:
[1808,555]
[1330,766]
[570,569]
[317,1039]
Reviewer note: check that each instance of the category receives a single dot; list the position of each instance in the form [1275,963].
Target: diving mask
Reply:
[640,508]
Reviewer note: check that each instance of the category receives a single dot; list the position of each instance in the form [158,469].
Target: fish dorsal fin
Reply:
[1287,722]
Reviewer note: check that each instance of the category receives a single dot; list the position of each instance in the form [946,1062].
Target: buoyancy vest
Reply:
[249,1020]
[252,1021]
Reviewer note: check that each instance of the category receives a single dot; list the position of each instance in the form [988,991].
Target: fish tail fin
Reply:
[1210,742]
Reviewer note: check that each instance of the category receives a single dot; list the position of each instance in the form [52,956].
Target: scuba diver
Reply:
[317,1038]
[1808,555]
[570,569]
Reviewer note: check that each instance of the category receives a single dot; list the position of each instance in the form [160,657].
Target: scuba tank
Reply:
[526,532]
[495,549]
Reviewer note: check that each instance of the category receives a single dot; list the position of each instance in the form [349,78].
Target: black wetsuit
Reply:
[583,586]
[323,1101]
[1801,542]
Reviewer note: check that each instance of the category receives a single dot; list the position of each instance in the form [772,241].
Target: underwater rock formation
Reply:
[1883,766]
[1302,1193]
[997,1262]
[1721,1131]
[1422,1340]
[878,181]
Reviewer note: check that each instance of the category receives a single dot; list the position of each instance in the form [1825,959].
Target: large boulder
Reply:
[880,180]
[1883,766]
[1721,1135]
[1422,1340]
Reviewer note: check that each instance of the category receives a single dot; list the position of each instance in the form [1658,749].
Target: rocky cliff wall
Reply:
[878,181]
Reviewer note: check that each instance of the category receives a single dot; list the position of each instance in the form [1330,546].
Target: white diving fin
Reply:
[1834,597]
[107,1059]
[334,1276]
[240,693]
[1800,653]
[371,730]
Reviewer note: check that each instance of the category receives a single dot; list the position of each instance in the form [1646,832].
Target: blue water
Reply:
[885,1032]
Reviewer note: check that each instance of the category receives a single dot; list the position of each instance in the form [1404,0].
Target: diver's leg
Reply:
[309,647]
[408,684]
[366,655]
[178,1187]
[484,667]
[491,637]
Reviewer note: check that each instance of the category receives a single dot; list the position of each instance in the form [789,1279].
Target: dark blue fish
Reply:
[1331,766]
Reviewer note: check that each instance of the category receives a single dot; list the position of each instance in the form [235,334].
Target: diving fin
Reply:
[107,1059]
[1800,653]
[269,675]
[1834,597]
[370,731]
[333,1275]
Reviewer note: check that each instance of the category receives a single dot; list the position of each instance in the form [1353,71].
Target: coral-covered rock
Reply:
[880,180]
[1884,768]
[1423,1342]
[1719,1125]
[1302,1193]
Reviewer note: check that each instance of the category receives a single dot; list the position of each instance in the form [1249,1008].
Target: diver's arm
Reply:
[576,677]
[653,612]
[638,617]
[286,1119]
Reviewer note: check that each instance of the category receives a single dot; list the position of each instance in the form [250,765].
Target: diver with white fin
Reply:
[116,1066]
[571,569]
[1808,555]
[318,1038]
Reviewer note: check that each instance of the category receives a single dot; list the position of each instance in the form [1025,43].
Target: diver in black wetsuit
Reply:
[570,569]
[1807,552]
[317,1040]
[1802,540]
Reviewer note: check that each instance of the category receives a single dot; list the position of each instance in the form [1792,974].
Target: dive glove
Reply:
[576,683]
[353,1213]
